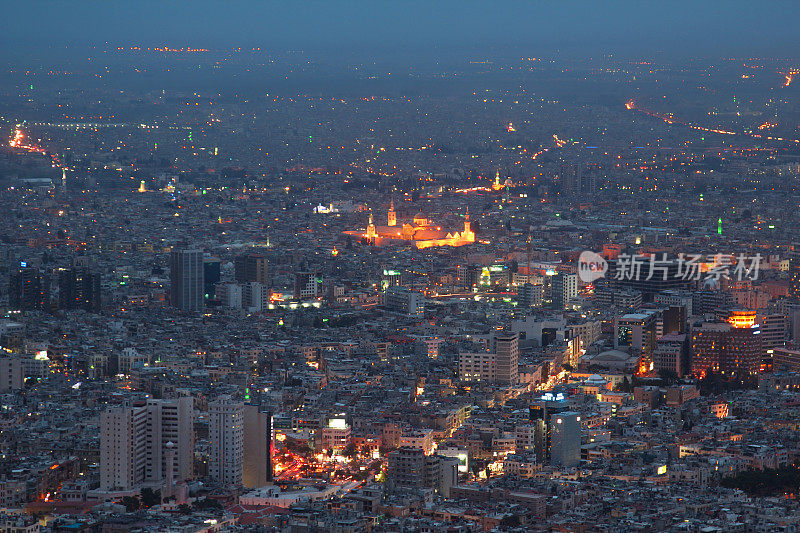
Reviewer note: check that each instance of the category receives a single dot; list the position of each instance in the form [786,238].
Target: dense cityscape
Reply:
[290,290]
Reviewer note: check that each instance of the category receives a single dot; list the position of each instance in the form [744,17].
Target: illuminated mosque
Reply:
[420,231]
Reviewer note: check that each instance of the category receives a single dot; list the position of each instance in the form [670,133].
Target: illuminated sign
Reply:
[742,318]
[550,397]
[337,423]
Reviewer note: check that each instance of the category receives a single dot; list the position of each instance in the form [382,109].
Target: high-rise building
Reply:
[123,448]
[141,441]
[619,298]
[637,331]
[541,417]
[391,278]
[774,332]
[675,298]
[403,300]
[226,436]
[794,271]
[507,358]
[412,468]
[674,319]
[79,289]
[728,347]
[577,181]
[564,288]
[565,441]
[710,301]
[29,289]
[669,353]
[212,273]
[255,296]
[251,267]
[635,275]
[477,366]
[257,462]
[11,374]
[186,280]
[786,359]
[501,365]
[337,434]
[530,295]
[571,179]
[307,285]
[229,295]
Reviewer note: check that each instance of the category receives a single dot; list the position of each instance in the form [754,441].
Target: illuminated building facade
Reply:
[392,216]
[728,347]
[637,331]
[391,278]
[420,231]
[336,434]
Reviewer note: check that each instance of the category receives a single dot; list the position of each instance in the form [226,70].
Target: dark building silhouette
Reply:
[29,289]
[794,271]
[211,276]
[186,280]
[667,277]
[251,267]
[79,289]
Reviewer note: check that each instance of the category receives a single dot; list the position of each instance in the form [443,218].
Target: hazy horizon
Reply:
[679,28]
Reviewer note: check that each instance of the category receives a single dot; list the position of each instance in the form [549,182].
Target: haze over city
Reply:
[399,267]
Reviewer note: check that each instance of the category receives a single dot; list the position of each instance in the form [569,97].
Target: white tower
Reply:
[226,433]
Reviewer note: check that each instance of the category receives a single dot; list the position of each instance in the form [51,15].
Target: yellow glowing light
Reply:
[337,423]
[742,318]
